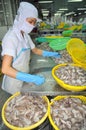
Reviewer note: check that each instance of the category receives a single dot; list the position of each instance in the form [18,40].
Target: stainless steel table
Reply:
[43,67]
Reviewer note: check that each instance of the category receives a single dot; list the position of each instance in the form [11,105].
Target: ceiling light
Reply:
[45,14]
[75,14]
[75,0]
[85,12]
[79,13]
[44,2]
[60,11]
[81,9]
[70,13]
[57,14]
[63,9]
[45,11]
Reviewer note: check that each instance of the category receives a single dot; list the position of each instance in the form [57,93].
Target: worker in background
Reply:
[16,48]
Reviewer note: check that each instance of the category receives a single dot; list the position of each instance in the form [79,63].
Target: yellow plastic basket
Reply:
[25,128]
[61,25]
[74,27]
[64,85]
[67,33]
[79,57]
[83,98]
[75,43]
[79,27]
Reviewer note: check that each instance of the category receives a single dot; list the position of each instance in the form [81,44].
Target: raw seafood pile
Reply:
[72,75]
[65,57]
[25,110]
[69,114]
[44,46]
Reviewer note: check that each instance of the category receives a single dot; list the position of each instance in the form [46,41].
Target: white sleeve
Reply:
[32,45]
[8,47]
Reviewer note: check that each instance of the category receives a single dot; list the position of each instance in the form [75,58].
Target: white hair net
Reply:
[26,10]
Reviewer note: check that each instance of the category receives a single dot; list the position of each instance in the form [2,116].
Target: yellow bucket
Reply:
[83,98]
[75,43]
[64,85]
[25,128]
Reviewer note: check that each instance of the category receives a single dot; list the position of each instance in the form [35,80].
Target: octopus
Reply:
[45,46]
[25,110]
[69,114]
[72,75]
[65,57]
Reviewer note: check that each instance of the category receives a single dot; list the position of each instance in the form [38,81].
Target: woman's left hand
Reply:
[51,54]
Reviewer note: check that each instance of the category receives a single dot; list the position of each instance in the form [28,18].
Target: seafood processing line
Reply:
[43,67]
[80,34]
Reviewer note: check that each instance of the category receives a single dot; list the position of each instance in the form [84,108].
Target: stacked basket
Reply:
[77,49]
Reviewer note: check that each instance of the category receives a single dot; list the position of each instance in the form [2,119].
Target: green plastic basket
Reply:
[67,33]
[59,44]
[41,39]
[44,39]
[50,39]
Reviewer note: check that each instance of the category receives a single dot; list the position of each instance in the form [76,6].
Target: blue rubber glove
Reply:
[38,80]
[51,54]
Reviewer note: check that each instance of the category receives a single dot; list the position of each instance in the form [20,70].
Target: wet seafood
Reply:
[65,57]
[25,110]
[45,46]
[72,75]
[69,114]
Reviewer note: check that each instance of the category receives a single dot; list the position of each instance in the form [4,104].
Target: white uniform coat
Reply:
[17,46]
[20,50]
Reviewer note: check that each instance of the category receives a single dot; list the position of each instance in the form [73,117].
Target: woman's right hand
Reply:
[38,80]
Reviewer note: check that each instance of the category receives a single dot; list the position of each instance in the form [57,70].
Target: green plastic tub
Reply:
[41,39]
[44,39]
[59,44]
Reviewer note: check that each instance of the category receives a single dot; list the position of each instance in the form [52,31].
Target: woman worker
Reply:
[16,47]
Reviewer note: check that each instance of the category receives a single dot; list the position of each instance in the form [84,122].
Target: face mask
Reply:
[27,27]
